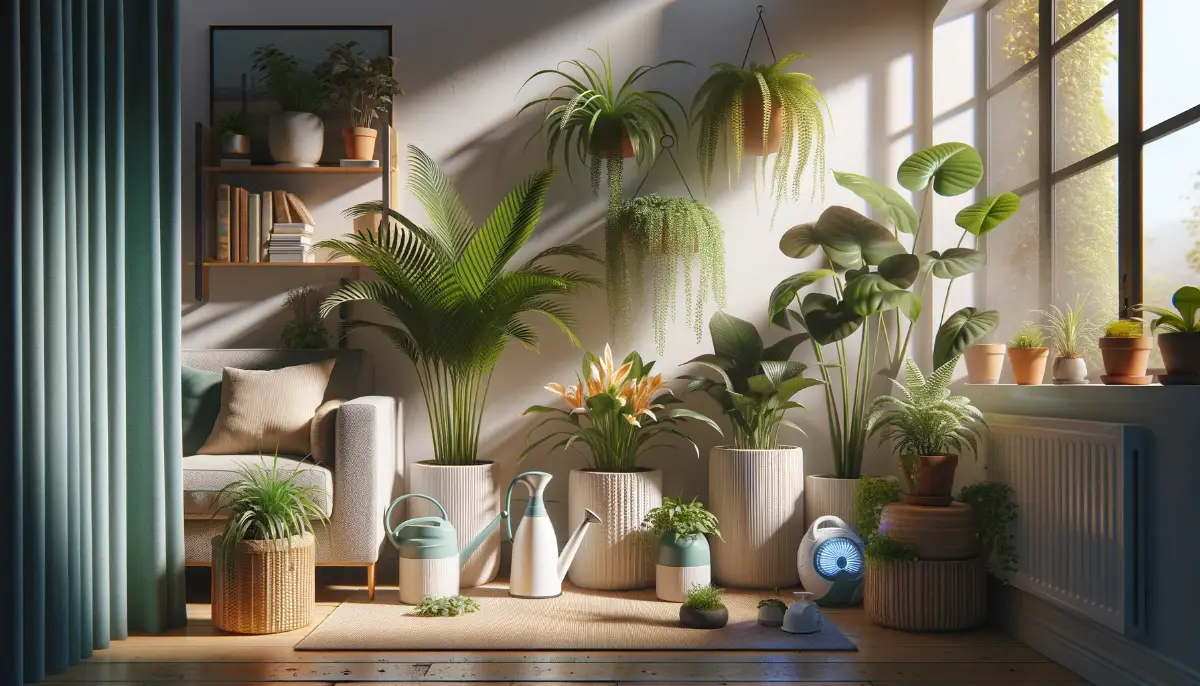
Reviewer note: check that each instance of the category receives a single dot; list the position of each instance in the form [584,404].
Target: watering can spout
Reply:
[481,537]
[572,547]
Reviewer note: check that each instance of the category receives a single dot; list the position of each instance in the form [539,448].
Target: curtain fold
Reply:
[91,136]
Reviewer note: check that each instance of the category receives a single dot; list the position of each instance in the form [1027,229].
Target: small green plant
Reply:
[705,598]
[450,606]
[685,519]
[882,549]
[1125,328]
[926,419]
[362,88]
[267,505]
[294,88]
[994,512]
[871,494]
[772,602]
[1069,329]
[1028,336]
[307,330]
[233,124]
[1187,304]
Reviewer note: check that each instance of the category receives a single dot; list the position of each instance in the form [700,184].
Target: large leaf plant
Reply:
[454,301]
[878,284]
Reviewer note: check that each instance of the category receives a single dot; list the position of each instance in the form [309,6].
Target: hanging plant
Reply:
[759,111]
[675,234]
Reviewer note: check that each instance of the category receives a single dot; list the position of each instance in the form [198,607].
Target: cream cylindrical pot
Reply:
[471,497]
[828,495]
[613,555]
[296,139]
[758,499]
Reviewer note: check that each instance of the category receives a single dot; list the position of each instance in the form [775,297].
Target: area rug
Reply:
[577,620]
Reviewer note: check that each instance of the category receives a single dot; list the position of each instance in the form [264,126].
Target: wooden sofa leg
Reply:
[371,581]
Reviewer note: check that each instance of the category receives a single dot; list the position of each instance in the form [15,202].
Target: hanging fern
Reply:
[719,110]
[672,232]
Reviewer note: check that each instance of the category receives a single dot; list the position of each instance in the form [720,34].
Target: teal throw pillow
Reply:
[201,405]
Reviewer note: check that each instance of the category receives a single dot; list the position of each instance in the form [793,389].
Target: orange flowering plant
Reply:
[626,408]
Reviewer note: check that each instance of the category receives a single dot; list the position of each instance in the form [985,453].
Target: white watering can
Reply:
[538,569]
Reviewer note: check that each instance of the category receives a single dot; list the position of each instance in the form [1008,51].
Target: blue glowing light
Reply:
[837,557]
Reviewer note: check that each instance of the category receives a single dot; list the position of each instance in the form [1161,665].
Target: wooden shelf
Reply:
[274,169]
[239,265]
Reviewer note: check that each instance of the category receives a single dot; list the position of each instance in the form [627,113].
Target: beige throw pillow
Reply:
[324,432]
[269,411]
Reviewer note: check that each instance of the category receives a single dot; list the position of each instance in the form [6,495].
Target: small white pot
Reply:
[421,579]
[296,139]
[1070,371]
[614,555]
[758,498]
[470,495]
[673,583]
[829,495]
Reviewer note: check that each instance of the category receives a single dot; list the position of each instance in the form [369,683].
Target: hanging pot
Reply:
[752,125]
[359,142]
[601,143]
[985,361]
[1028,365]
[1181,357]
[930,479]
[296,139]
[1070,371]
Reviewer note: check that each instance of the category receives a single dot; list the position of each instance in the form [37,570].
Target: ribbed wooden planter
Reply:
[613,555]
[266,588]
[828,495]
[758,498]
[935,533]
[926,595]
[470,494]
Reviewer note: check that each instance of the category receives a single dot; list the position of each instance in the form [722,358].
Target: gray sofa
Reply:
[357,482]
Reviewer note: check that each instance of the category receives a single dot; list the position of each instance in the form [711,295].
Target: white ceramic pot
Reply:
[758,498]
[614,555]
[470,494]
[421,579]
[296,139]
[1069,371]
[828,495]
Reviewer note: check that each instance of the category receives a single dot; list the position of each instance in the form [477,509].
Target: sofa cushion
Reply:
[268,412]
[205,475]
[201,405]
[324,432]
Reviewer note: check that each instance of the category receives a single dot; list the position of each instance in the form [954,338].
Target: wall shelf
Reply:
[273,169]
[212,264]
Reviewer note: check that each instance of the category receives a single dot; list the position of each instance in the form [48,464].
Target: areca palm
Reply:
[454,302]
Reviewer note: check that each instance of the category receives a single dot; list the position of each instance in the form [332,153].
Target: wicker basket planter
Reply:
[926,595]
[934,533]
[613,556]
[268,586]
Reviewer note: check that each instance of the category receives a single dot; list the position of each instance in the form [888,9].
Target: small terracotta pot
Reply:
[359,142]
[752,125]
[1181,355]
[1124,358]
[985,361]
[599,142]
[930,479]
[1028,365]
[1069,371]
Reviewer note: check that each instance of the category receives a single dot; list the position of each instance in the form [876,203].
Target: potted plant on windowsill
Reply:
[1125,349]
[1070,332]
[1179,336]
[680,531]
[455,303]
[756,484]
[264,564]
[625,409]
[1027,353]
[234,131]
[985,362]
[363,89]
[928,428]
[295,135]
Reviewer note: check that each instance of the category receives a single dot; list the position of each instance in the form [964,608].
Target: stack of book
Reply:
[274,226]
[291,242]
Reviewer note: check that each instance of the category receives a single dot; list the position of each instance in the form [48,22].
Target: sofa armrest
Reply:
[367,442]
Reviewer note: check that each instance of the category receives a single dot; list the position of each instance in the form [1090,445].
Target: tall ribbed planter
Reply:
[613,556]
[926,595]
[829,495]
[470,494]
[266,587]
[758,498]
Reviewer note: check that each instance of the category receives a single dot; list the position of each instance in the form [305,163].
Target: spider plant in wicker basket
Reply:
[268,505]
[676,234]
[758,111]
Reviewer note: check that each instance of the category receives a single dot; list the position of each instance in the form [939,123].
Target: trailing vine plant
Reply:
[994,512]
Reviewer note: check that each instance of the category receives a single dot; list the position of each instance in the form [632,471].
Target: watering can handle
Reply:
[387,517]
[825,519]
[508,502]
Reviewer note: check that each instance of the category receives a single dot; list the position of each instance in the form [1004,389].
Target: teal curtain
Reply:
[93,511]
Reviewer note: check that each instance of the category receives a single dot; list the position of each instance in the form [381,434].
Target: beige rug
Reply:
[576,620]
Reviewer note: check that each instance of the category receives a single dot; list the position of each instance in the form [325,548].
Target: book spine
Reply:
[255,222]
[223,222]
[245,216]
[235,225]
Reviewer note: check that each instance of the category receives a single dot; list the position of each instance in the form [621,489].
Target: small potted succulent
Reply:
[234,131]
[1125,350]
[771,611]
[1070,332]
[1179,336]
[363,89]
[683,560]
[704,608]
[1027,353]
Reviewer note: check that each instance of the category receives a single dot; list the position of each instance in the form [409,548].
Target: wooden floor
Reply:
[199,654]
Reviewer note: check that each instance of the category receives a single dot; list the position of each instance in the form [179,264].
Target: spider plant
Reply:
[926,420]
[267,505]
[454,301]
[1069,329]
[735,96]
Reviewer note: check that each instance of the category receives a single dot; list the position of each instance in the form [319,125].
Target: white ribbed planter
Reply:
[421,579]
[296,139]
[829,495]
[470,494]
[673,583]
[613,555]
[758,498]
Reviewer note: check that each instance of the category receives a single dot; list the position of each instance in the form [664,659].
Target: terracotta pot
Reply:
[1181,355]
[930,479]
[985,361]
[359,142]
[599,142]
[1125,359]
[752,125]
[1070,371]
[1028,365]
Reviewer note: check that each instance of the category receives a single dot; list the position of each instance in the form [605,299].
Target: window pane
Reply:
[1013,136]
[1085,97]
[1012,277]
[1170,59]
[1071,13]
[1012,37]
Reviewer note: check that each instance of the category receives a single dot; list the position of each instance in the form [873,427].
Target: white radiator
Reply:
[1078,494]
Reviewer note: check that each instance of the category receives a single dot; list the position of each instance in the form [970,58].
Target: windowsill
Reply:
[1144,405]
